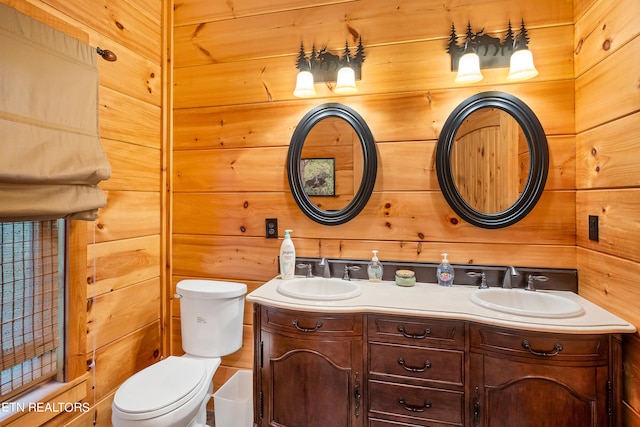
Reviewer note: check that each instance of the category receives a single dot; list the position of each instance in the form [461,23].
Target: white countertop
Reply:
[431,300]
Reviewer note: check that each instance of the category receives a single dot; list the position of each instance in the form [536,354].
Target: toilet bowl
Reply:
[175,391]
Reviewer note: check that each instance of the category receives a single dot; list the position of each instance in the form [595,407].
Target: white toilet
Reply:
[175,391]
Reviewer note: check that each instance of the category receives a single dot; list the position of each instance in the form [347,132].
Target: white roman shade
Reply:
[51,159]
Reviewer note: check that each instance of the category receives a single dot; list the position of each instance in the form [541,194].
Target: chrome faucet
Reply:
[326,272]
[506,281]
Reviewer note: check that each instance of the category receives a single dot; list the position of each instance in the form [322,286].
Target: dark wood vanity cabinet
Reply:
[310,369]
[374,370]
[540,379]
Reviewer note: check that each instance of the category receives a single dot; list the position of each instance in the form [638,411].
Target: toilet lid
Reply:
[161,387]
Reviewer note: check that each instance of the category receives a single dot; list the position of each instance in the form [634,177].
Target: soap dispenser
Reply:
[287,257]
[445,272]
[374,269]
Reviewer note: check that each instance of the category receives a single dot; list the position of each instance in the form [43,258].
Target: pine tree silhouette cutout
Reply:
[359,57]
[453,41]
[302,62]
[508,38]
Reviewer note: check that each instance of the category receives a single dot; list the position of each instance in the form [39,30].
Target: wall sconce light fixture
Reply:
[485,51]
[323,66]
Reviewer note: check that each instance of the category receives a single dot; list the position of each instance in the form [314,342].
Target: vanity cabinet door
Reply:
[538,379]
[310,376]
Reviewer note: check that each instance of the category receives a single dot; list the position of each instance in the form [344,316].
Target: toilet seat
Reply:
[161,388]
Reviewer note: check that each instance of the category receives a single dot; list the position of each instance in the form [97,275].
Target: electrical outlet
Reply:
[593,228]
[271,228]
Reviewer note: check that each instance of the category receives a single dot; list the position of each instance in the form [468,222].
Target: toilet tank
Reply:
[211,314]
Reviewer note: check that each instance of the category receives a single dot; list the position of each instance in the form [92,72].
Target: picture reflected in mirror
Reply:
[319,176]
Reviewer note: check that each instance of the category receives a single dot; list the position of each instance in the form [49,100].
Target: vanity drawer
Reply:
[385,423]
[415,404]
[319,324]
[416,331]
[392,360]
[539,345]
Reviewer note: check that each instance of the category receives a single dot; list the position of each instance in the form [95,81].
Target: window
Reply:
[32,267]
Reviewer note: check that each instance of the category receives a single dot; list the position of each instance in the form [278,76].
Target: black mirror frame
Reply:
[538,159]
[370,167]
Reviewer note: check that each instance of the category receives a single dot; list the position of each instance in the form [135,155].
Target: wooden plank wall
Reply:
[123,306]
[234,114]
[607,68]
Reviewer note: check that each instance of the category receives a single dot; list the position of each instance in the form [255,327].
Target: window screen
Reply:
[31,279]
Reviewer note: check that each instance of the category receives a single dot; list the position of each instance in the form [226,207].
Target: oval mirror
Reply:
[332,164]
[492,160]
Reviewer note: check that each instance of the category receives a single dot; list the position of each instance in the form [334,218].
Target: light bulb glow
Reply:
[469,69]
[304,85]
[522,67]
[346,83]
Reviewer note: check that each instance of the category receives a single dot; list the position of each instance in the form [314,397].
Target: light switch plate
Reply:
[593,228]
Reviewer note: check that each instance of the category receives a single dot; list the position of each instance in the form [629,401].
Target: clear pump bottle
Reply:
[445,272]
[375,269]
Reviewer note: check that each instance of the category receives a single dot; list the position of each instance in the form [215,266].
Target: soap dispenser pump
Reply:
[375,269]
[287,257]
[444,272]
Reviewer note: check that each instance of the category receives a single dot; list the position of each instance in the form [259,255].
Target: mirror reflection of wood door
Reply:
[334,138]
[490,160]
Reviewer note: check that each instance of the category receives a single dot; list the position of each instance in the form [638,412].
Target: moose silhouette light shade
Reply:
[491,52]
[322,66]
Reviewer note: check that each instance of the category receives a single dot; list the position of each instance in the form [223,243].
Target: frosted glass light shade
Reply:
[522,67]
[346,83]
[304,85]
[469,69]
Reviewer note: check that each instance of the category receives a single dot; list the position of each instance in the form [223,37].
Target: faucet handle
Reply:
[532,278]
[347,269]
[308,266]
[483,278]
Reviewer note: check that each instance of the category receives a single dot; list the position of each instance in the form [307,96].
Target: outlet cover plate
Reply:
[271,228]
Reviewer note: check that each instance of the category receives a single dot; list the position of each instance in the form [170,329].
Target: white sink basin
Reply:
[526,303]
[317,288]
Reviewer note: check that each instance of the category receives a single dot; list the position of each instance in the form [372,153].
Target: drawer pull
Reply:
[426,366]
[412,408]
[557,348]
[298,327]
[425,334]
